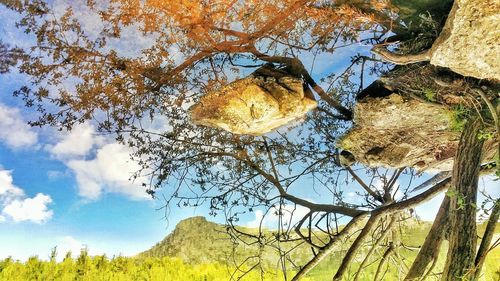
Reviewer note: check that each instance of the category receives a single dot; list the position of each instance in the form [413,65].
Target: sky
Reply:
[72,189]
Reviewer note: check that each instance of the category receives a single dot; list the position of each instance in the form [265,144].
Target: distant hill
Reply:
[196,240]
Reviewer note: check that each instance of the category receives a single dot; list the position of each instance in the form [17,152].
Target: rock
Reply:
[469,43]
[394,132]
[254,105]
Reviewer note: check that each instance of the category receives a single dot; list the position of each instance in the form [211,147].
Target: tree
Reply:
[196,48]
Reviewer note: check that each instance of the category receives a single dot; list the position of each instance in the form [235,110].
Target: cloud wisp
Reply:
[14,132]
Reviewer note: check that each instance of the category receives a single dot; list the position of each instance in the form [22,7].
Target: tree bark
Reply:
[432,244]
[463,237]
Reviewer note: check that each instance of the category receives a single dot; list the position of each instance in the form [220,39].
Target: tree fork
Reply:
[348,258]
[432,244]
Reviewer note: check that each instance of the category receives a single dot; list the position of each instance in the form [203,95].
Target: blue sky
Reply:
[71,189]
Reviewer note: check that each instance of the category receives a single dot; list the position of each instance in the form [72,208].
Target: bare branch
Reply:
[374,194]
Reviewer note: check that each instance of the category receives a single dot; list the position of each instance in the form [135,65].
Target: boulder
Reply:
[395,132]
[254,105]
[469,43]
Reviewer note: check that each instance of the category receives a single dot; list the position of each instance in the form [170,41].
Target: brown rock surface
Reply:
[253,105]
[469,43]
[393,132]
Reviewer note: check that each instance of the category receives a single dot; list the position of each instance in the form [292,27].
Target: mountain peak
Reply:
[195,240]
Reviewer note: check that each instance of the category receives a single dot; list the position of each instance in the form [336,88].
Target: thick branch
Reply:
[374,246]
[414,201]
[351,253]
[400,59]
[299,201]
[323,207]
[389,250]
[432,181]
[365,186]
[353,224]
[386,210]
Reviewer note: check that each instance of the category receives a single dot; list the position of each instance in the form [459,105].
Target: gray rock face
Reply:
[253,105]
[469,43]
[393,132]
[397,132]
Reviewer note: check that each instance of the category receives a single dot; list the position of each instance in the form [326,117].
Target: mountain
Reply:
[196,240]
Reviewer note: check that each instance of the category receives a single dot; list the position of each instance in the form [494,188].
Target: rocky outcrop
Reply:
[395,132]
[469,43]
[253,105]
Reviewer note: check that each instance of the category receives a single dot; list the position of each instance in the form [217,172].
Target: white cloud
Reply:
[7,188]
[87,177]
[109,171]
[78,142]
[30,209]
[18,208]
[290,215]
[99,164]
[15,132]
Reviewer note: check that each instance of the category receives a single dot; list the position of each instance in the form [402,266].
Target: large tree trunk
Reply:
[432,244]
[463,237]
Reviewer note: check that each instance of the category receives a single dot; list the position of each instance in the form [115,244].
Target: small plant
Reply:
[485,135]
[460,199]
[429,94]
[458,116]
